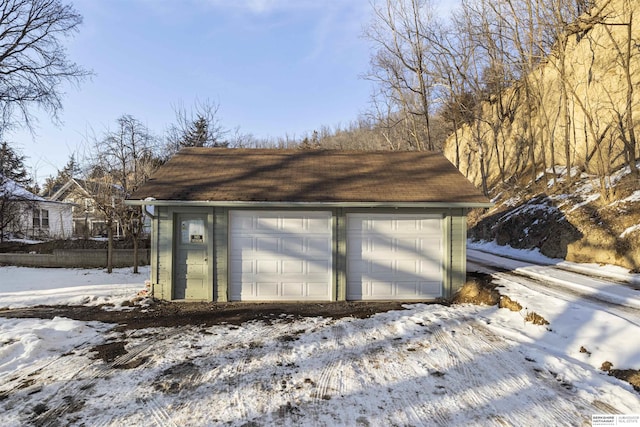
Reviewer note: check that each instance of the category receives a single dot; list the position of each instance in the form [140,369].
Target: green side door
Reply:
[190,271]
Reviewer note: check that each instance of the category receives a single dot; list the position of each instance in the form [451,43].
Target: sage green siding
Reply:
[165,250]
[221,245]
[453,257]
[446,255]
[458,270]
[165,215]
[340,259]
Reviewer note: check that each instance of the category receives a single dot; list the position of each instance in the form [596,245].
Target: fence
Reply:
[78,258]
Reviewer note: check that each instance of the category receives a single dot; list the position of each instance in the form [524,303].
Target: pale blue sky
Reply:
[275,67]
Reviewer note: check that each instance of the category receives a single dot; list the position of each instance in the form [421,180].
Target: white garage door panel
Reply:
[280,255]
[394,256]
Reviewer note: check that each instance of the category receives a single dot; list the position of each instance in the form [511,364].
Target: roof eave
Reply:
[283,204]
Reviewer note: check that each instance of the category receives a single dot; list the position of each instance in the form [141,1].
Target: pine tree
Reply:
[13,203]
[197,134]
[70,170]
[12,165]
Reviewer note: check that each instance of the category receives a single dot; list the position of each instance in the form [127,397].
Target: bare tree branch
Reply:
[33,61]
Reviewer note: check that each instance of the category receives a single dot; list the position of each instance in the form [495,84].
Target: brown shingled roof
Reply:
[311,176]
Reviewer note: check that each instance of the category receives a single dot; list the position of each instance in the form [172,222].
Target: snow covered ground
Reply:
[425,365]
[27,287]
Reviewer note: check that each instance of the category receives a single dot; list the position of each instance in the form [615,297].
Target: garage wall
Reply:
[162,285]
[454,246]
[220,254]
[458,251]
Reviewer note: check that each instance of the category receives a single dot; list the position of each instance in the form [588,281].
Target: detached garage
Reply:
[307,225]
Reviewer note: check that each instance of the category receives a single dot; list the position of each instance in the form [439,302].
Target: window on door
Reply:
[192,231]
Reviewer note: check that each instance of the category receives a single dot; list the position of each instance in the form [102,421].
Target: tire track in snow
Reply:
[159,414]
[381,365]
[327,384]
[483,376]
[235,383]
[630,314]
[23,380]
[74,389]
[237,376]
[465,367]
[407,368]
[557,290]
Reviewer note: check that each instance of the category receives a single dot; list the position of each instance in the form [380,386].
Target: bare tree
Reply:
[33,61]
[464,46]
[626,55]
[386,121]
[498,50]
[123,160]
[403,62]
[197,127]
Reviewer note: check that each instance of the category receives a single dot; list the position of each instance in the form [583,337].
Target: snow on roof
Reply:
[11,189]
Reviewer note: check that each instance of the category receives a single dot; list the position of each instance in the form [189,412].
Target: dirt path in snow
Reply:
[168,314]
[324,364]
[427,365]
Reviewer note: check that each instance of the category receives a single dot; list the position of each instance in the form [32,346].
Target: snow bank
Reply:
[34,342]
[24,287]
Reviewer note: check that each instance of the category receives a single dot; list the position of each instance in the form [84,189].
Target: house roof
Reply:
[227,176]
[88,188]
[11,190]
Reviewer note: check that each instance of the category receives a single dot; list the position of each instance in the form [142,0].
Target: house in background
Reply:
[27,215]
[88,221]
[307,225]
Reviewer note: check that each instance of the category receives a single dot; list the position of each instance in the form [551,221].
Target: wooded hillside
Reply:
[578,107]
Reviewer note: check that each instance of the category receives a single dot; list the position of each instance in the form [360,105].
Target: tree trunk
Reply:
[110,246]
[135,251]
[629,106]
[481,160]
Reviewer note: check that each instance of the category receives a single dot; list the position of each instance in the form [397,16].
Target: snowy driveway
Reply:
[427,365]
[424,365]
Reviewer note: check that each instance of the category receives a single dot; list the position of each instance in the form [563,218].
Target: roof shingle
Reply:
[311,176]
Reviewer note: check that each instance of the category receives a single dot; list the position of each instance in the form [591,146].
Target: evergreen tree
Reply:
[197,127]
[70,170]
[198,133]
[13,202]
[12,165]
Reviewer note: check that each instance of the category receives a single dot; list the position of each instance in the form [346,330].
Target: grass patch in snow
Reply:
[477,290]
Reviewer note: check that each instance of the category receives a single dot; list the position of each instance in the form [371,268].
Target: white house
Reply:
[87,219]
[25,214]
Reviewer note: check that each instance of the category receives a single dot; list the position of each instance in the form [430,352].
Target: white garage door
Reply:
[284,256]
[395,257]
